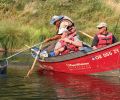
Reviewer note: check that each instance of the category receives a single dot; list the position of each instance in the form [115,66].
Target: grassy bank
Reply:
[27,21]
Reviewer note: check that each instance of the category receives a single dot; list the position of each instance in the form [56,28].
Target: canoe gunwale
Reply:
[75,55]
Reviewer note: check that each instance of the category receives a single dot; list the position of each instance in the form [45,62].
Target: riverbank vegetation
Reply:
[27,21]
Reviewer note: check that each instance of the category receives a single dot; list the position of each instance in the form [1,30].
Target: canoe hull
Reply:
[102,60]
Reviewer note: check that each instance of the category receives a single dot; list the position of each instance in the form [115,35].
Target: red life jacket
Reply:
[104,40]
[68,47]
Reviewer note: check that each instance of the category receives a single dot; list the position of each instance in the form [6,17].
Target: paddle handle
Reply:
[86,34]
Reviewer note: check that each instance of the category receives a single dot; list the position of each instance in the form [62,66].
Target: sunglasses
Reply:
[100,27]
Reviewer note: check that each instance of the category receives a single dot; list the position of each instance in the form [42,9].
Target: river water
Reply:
[48,85]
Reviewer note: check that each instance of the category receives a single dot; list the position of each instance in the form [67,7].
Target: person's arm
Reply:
[58,48]
[114,39]
[56,37]
[76,41]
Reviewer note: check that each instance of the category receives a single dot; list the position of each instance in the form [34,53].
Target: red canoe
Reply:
[100,60]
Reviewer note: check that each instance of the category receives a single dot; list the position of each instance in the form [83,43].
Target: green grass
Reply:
[27,21]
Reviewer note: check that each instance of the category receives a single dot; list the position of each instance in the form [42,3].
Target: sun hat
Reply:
[102,24]
[55,18]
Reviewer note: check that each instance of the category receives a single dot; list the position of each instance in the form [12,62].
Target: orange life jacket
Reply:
[68,47]
[104,40]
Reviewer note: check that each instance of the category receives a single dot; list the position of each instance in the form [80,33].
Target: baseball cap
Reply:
[55,18]
[102,24]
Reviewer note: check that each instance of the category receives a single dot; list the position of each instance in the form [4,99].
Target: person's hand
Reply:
[94,47]
[46,40]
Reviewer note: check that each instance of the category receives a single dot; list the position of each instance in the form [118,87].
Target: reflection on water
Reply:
[13,87]
[54,86]
[84,87]
[58,86]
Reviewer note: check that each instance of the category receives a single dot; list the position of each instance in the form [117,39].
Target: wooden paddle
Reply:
[86,34]
[31,69]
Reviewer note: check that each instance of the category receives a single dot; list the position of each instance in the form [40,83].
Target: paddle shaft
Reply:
[86,34]
[31,69]
[22,50]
